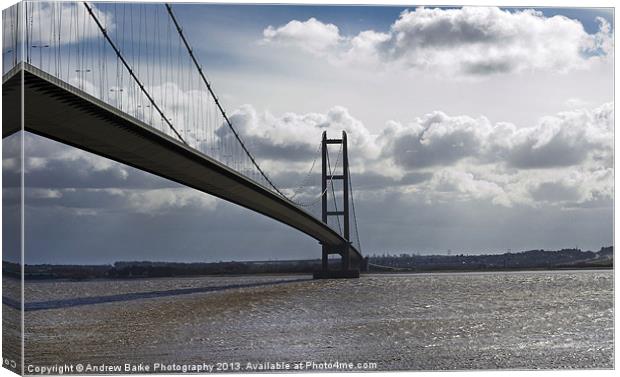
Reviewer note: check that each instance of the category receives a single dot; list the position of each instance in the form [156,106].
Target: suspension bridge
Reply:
[122,81]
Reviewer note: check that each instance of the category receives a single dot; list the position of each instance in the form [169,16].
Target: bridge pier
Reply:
[347,268]
[349,264]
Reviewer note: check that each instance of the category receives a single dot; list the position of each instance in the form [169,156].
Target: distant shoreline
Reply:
[531,260]
[266,274]
[593,268]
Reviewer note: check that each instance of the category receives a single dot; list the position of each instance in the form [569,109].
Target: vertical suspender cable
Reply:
[120,56]
[357,232]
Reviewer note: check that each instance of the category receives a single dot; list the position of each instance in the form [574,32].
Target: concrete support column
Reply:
[346,258]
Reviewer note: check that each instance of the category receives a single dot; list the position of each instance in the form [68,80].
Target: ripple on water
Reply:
[417,321]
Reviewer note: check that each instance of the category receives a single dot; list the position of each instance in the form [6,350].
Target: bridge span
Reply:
[59,111]
[124,83]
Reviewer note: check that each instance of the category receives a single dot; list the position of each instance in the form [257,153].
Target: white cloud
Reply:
[470,41]
[603,39]
[575,187]
[93,201]
[35,163]
[443,157]
[435,139]
[464,186]
[90,162]
[162,200]
[311,35]
[290,136]
[566,139]
[36,193]
[574,103]
[10,163]
[73,23]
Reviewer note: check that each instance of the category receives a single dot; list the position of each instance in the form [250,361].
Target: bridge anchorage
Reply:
[350,262]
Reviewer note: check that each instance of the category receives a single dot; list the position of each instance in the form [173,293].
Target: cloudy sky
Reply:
[472,129]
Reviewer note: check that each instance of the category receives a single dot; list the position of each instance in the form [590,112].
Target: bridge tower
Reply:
[347,270]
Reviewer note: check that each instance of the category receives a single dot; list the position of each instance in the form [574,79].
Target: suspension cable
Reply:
[217,102]
[303,183]
[131,72]
[331,177]
[218,105]
[357,233]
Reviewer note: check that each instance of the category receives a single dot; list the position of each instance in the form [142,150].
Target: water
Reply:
[451,321]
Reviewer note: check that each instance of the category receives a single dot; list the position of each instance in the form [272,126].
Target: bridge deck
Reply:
[61,112]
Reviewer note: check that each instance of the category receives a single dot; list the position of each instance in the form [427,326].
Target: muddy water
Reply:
[415,322]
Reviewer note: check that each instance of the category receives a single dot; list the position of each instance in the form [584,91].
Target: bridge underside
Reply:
[61,112]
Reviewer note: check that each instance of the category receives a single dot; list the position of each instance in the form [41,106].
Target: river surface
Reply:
[443,321]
